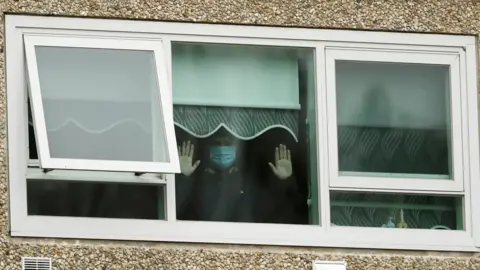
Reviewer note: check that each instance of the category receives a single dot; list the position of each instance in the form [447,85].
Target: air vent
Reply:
[329,265]
[35,263]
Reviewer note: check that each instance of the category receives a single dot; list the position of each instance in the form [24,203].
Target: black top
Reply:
[239,194]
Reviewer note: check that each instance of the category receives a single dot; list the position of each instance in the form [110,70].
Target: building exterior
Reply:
[367,140]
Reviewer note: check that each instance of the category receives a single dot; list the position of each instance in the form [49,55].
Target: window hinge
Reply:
[139,174]
[47,170]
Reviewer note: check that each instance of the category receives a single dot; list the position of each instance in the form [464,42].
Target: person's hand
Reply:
[283,162]
[186,154]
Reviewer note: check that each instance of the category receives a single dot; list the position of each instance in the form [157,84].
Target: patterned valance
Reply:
[243,123]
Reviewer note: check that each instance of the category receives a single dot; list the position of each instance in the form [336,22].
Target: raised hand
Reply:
[186,155]
[283,162]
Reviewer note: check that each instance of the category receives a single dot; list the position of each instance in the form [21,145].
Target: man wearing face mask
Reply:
[227,185]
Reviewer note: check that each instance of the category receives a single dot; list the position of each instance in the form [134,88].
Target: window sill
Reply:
[244,233]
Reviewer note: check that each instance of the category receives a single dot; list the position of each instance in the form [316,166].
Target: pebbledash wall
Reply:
[443,16]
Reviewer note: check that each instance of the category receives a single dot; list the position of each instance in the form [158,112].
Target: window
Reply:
[241,134]
[100,104]
[243,146]
[391,132]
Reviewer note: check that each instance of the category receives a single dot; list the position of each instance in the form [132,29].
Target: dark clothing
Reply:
[238,195]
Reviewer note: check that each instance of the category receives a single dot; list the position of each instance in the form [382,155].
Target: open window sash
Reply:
[101,104]
[385,114]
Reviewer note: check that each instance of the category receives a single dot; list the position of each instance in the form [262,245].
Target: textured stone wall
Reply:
[446,16]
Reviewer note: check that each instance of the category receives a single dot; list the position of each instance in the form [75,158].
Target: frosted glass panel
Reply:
[235,75]
[101,104]
[393,118]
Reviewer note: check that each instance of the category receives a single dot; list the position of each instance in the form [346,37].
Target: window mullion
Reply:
[322,135]
[170,207]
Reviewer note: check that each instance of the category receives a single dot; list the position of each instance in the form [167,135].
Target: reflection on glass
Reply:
[101,104]
[396,211]
[243,140]
[98,200]
[393,119]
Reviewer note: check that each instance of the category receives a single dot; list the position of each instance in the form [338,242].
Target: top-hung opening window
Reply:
[101,104]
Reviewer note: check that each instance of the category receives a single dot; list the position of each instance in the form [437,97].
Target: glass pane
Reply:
[248,155]
[396,211]
[32,144]
[101,104]
[393,119]
[98,200]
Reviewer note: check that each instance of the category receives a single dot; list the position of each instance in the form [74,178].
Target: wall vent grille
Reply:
[36,263]
[329,265]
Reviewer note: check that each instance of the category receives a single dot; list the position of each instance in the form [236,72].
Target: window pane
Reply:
[237,108]
[100,200]
[396,211]
[32,144]
[101,104]
[393,119]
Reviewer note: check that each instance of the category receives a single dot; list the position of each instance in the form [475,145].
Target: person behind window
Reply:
[228,185]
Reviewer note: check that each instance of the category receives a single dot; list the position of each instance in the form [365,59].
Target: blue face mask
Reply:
[222,156]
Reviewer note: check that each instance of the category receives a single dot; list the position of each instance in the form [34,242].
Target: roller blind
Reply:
[235,76]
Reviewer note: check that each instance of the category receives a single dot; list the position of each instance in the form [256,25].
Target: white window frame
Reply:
[171,230]
[164,95]
[385,181]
